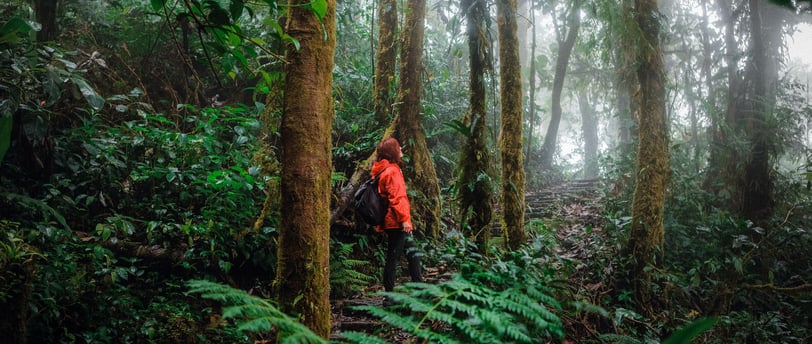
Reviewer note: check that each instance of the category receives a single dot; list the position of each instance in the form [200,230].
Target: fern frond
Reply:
[254,314]
[389,317]
[435,337]
[461,307]
[518,333]
[258,325]
[359,337]
[543,295]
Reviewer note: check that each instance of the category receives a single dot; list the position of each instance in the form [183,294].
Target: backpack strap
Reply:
[379,173]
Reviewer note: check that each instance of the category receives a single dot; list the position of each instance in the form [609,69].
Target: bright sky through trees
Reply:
[800,45]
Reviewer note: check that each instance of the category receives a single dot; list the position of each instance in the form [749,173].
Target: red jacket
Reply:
[392,186]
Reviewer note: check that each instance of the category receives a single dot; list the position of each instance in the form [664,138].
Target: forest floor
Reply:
[572,209]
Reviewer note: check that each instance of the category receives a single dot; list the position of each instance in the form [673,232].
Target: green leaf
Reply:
[157,5]
[15,24]
[240,57]
[236,7]
[219,17]
[93,99]
[319,8]
[684,334]
[288,39]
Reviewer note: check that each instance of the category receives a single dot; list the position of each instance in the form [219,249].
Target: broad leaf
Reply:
[157,5]
[93,99]
[684,334]
[319,8]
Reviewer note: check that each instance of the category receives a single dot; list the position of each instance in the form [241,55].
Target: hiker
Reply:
[398,224]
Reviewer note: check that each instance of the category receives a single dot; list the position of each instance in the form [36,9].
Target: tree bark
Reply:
[303,269]
[722,169]
[531,104]
[561,63]
[589,131]
[409,122]
[627,95]
[46,16]
[756,185]
[387,55]
[647,232]
[510,145]
[474,184]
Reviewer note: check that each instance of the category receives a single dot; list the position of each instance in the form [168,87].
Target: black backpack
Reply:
[369,204]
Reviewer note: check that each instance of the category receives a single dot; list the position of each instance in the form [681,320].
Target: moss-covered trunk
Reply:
[303,277]
[386,58]
[510,145]
[474,184]
[408,129]
[647,232]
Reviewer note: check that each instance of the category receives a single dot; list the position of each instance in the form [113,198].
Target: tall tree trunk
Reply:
[693,95]
[531,101]
[647,232]
[510,145]
[409,121]
[561,63]
[627,95]
[756,185]
[474,184]
[46,16]
[589,130]
[387,55]
[522,27]
[722,169]
[303,269]
[711,105]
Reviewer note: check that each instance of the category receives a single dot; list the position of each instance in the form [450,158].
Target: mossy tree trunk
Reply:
[561,63]
[408,127]
[647,232]
[475,185]
[510,143]
[386,58]
[303,276]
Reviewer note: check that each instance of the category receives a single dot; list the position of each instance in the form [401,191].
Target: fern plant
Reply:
[504,300]
[347,275]
[254,314]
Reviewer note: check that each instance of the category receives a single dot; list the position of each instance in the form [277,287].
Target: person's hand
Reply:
[407,227]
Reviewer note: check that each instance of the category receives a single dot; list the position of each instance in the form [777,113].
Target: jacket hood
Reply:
[380,165]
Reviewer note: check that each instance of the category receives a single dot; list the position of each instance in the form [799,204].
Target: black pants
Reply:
[398,242]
